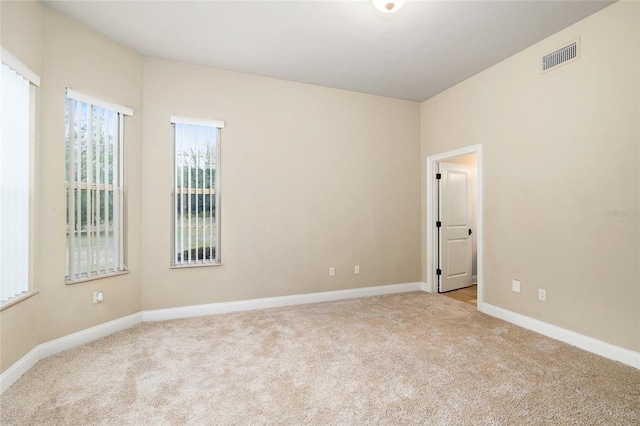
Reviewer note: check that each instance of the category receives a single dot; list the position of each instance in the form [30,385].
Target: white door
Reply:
[455,243]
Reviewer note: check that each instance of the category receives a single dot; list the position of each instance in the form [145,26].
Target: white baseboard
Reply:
[53,347]
[427,287]
[87,335]
[581,341]
[274,302]
[44,350]
[24,364]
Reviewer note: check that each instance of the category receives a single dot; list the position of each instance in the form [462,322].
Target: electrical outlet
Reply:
[515,286]
[356,270]
[98,297]
[332,271]
[542,294]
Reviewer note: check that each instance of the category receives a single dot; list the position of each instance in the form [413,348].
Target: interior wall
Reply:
[560,154]
[21,33]
[66,54]
[316,177]
[79,58]
[312,177]
[314,180]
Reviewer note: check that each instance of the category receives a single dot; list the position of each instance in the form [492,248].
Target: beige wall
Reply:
[311,178]
[559,150]
[316,177]
[66,54]
[21,31]
[21,34]
[465,160]
[78,58]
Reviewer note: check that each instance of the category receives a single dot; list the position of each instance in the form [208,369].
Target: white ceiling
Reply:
[423,49]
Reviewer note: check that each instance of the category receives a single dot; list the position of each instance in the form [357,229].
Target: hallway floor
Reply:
[467,295]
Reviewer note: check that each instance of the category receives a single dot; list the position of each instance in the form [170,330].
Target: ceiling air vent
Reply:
[561,56]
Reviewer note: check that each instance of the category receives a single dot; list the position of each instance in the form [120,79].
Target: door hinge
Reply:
[438,224]
[438,175]
[438,271]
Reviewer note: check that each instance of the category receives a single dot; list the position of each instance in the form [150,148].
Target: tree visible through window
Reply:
[196,192]
[94,177]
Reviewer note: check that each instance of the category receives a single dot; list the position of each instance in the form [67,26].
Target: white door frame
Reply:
[432,214]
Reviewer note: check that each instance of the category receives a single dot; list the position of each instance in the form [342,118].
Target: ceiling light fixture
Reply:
[388,6]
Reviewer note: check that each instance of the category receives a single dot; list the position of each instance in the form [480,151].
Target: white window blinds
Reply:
[15,174]
[94,180]
[196,207]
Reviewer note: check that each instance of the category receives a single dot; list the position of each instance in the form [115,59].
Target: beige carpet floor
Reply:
[403,359]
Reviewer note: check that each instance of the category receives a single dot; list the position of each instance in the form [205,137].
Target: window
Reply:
[94,181]
[196,197]
[16,182]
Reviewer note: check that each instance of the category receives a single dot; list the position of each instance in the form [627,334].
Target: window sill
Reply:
[97,277]
[195,265]
[14,301]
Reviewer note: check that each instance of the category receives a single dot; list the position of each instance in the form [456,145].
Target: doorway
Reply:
[454,224]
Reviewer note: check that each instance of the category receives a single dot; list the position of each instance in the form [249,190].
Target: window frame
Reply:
[218,125]
[118,185]
[33,79]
